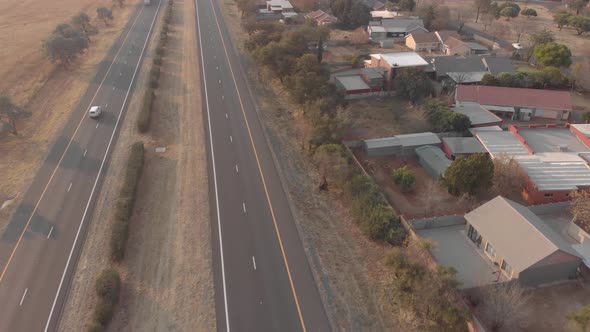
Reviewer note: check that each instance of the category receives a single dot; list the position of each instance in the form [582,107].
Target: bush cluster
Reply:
[442,119]
[124,207]
[372,213]
[107,287]
[404,177]
[548,77]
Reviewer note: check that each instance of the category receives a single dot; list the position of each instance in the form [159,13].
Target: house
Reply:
[554,158]
[443,38]
[478,116]
[461,147]
[423,41]
[455,46]
[517,103]
[321,17]
[393,62]
[394,29]
[452,70]
[279,7]
[379,15]
[373,4]
[433,160]
[520,244]
[360,83]
[400,145]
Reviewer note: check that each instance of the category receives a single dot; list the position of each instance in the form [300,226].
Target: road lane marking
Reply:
[237,169]
[113,88]
[85,152]
[23,298]
[100,169]
[50,231]
[254,262]
[272,213]
[107,105]
[231,139]
[219,81]
[97,125]
[64,153]
[226,115]
[214,171]
[222,97]
[70,187]
[120,73]
[217,67]
[244,207]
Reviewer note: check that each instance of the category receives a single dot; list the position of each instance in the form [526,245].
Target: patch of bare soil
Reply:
[347,267]
[167,271]
[48,94]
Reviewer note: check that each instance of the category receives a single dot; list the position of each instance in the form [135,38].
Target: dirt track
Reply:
[167,271]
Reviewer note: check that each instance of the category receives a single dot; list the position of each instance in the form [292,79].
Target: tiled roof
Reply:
[424,37]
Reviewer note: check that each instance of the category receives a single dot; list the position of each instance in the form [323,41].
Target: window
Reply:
[507,268]
[491,251]
[548,195]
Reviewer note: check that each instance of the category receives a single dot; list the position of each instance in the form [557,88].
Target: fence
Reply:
[436,222]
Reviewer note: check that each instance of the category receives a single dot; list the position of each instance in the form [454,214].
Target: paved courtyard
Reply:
[452,247]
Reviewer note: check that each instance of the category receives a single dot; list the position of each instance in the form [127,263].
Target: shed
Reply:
[400,145]
[433,160]
[458,147]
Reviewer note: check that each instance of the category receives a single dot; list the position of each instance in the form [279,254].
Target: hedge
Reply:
[108,287]
[143,120]
[124,207]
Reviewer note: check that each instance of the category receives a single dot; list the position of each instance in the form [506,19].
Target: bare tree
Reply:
[332,163]
[105,14]
[509,177]
[431,201]
[580,207]
[487,20]
[503,302]
[581,74]
[9,113]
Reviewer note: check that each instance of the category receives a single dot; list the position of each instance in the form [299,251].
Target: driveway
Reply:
[452,247]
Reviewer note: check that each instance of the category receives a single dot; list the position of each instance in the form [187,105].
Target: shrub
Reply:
[153,83]
[124,207]
[404,177]
[108,285]
[155,73]
[143,120]
[95,327]
[103,312]
[160,51]
[157,61]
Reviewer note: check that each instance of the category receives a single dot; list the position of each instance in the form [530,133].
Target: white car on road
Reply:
[95,111]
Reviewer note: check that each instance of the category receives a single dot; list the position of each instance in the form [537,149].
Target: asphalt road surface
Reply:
[263,281]
[40,246]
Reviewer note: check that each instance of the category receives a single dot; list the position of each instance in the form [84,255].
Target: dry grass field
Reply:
[47,92]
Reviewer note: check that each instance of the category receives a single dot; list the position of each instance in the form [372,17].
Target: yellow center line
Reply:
[261,176]
[65,151]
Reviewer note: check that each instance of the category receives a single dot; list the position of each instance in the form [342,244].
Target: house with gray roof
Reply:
[395,28]
[461,147]
[400,145]
[520,244]
[433,160]
[467,69]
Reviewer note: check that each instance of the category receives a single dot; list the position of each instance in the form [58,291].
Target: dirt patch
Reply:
[167,271]
[49,95]
[546,310]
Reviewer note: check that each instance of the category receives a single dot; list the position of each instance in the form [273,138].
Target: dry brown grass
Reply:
[50,96]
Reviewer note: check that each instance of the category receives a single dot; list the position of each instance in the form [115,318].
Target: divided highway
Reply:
[263,281]
[40,246]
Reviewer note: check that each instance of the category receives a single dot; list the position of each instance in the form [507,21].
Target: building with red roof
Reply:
[517,103]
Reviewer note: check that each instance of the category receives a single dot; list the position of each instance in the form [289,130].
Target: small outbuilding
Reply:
[460,147]
[433,160]
[400,145]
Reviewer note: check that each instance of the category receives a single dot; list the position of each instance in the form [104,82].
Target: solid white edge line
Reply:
[214,171]
[100,171]
[23,298]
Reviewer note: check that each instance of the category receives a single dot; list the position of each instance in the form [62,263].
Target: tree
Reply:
[407,5]
[581,24]
[105,14]
[320,54]
[580,206]
[65,48]
[553,54]
[119,2]
[509,177]
[481,7]
[82,23]
[509,12]
[562,18]
[581,74]
[581,318]
[428,13]
[9,113]
[470,175]
[586,117]
[332,163]
[577,5]
[351,14]
[528,12]
[404,177]
[412,84]
[503,302]
[442,119]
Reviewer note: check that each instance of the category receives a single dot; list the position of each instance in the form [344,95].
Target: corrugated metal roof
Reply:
[501,142]
[556,175]
[434,157]
[476,114]
[402,59]
[376,143]
[352,82]
[403,140]
[463,144]
[516,233]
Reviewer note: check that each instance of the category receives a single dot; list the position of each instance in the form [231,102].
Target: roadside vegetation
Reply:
[147,104]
